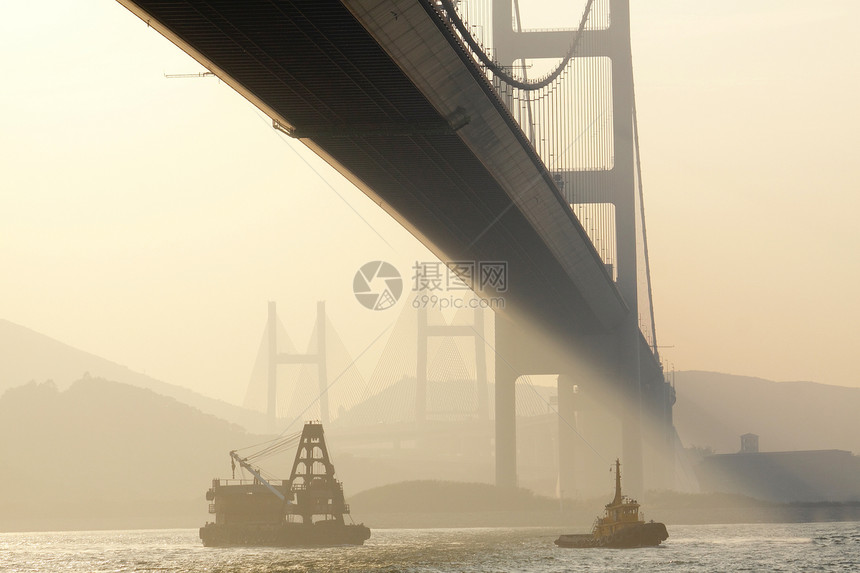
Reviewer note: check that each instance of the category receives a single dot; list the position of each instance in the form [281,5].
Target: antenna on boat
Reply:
[617,481]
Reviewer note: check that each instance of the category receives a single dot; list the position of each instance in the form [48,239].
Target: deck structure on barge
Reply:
[308,509]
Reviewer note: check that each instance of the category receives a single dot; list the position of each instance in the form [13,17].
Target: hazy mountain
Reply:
[447,496]
[417,504]
[102,454]
[26,355]
[714,409]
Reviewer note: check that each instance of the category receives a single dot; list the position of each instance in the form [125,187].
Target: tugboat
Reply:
[620,527]
[305,510]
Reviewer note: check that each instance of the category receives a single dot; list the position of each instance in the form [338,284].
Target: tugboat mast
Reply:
[617,499]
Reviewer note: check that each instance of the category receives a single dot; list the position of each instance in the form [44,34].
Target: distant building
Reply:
[749,444]
[812,475]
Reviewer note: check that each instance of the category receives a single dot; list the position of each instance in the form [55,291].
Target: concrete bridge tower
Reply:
[615,186]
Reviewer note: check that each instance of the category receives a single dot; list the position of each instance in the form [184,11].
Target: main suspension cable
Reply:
[497,69]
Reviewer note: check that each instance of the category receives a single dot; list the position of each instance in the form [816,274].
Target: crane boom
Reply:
[256,474]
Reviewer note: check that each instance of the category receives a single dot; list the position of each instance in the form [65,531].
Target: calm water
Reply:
[760,547]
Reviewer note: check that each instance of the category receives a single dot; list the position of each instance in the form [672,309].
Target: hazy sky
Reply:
[148,220]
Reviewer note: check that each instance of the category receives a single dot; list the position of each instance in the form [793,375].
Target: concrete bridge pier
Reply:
[658,397]
[630,407]
[605,366]
[507,359]
[568,440]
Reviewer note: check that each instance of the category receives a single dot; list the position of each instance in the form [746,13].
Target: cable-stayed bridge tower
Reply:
[291,386]
[474,331]
[275,358]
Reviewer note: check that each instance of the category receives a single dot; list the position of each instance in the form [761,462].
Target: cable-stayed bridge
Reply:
[424,403]
[488,142]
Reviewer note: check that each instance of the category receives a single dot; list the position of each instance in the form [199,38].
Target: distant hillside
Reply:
[430,503]
[714,409]
[416,504]
[26,355]
[104,454]
[447,496]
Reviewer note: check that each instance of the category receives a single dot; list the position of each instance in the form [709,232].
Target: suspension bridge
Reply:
[488,141]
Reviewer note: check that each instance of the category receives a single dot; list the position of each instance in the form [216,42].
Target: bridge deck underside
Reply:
[316,68]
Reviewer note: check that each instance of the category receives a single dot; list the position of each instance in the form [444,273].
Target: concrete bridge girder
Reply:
[438,70]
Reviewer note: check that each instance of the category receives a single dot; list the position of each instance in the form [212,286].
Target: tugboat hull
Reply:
[282,534]
[639,535]
[621,525]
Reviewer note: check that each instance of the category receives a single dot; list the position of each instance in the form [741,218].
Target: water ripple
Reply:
[756,547]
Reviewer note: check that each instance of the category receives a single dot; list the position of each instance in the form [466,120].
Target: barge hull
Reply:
[282,535]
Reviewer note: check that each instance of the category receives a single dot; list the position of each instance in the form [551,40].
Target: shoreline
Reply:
[566,520]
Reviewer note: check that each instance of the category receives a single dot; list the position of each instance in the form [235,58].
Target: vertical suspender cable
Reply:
[529,118]
[644,233]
